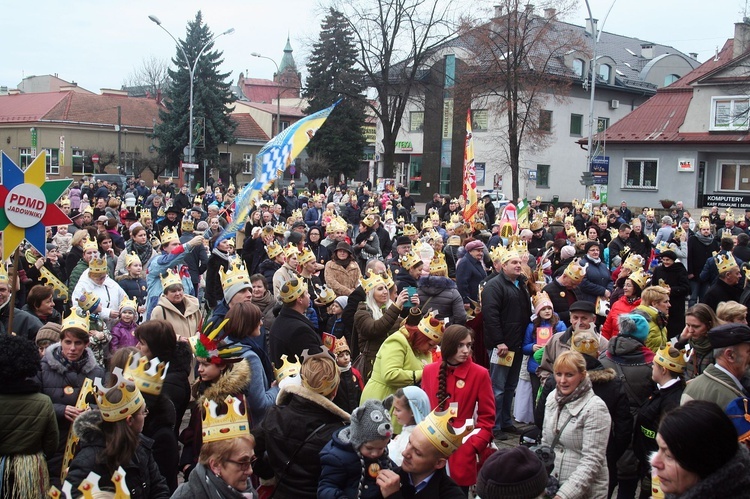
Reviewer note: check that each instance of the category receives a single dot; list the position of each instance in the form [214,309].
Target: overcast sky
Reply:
[97,43]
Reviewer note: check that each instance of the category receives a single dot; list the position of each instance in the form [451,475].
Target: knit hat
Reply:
[738,412]
[369,422]
[669,254]
[49,332]
[202,226]
[515,473]
[567,252]
[634,325]
[342,301]
[585,341]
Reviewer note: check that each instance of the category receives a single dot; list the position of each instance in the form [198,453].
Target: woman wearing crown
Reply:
[138,244]
[177,307]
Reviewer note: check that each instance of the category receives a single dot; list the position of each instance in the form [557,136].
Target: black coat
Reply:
[176,386]
[440,485]
[648,418]
[268,268]
[562,298]
[159,426]
[291,334]
[135,289]
[347,318]
[507,311]
[196,261]
[676,277]
[214,292]
[720,292]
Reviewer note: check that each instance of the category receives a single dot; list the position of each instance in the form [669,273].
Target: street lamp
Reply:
[278,91]
[191,69]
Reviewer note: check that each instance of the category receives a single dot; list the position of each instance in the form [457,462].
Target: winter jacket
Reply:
[341,470]
[580,454]
[530,339]
[469,273]
[720,292]
[123,335]
[632,361]
[159,426]
[25,324]
[440,485]
[281,276]
[660,402]
[342,280]
[597,281]
[350,389]
[74,257]
[713,385]
[185,324]
[291,334]
[702,356]
[204,484]
[710,272]
[141,473]
[730,480]
[443,297]
[27,419]
[259,394]
[75,198]
[469,385]
[159,265]
[507,310]
[196,260]
[268,268]
[110,294]
[347,318]
[562,298]
[135,289]
[372,333]
[291,437]
[611,328]
[657,327]
[176,386]
[214,292]
[676,277]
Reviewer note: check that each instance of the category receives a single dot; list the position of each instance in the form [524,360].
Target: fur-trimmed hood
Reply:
[287,392]
[232,381]
[87,428]
[56,365]
[598,374]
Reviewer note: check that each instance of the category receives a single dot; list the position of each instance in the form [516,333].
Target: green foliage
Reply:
[211,100]
[332,76]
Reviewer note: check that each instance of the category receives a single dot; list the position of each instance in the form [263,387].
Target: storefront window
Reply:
[415,174]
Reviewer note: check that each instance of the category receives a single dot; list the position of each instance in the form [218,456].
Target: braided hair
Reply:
[452,337]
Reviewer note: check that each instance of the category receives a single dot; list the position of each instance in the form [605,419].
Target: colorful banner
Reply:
[523,213]
[470,175]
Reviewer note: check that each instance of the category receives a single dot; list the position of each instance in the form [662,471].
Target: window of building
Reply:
[53,161]
[416,121]
[24,157]
[641,173]
[602,124]
[415,174]
[247,163]
[605,70]
[479,118]
[129,160]
[79,163]
[734,176]
[545,120]
[542,175]
[576,124]
[171,172]
[285,125]
[669,79]
[729,113]
[578,67]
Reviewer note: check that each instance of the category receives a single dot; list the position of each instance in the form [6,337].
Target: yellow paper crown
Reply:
[541,297]
[509,255]
[267,230]
[409,260]
[388,279]
[291,250]
[705,213]
[131,258]
[279,229]
[98,266]
[496,253]
[369,220]
[292,290]
[662,246]
[170,278]
[371,282]
[326,295]
[434,216]
[426,224]
[148,375]
[650,213]
[704,224]
[536,225]
[519,247]
[231,424]
[569,219]
[75,321]
[730,214]
[432,331]
[90,244]
[187,225]
[89,209]
[438,429]
[88,301]
[296,214]
[237,274]
[410,230]
[287,368]
[633,262]
[725,262]
[438,265]
[89,487]
[581,239]
[128,303]
[127,405]
[273,249]
[168,235]
[640,278]
[198,200]
[614,232]
[676,363]
[575,270]
[340,345]
[306,256]
[400,220]
[336,224]
[4,279]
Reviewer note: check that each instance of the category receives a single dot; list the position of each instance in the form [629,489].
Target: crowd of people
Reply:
[344,345]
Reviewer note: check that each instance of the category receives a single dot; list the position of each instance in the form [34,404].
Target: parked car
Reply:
[120,180]
[498,199]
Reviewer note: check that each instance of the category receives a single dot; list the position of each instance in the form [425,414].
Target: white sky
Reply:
[97,43]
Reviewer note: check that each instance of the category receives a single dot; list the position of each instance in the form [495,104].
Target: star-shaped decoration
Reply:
[28,220]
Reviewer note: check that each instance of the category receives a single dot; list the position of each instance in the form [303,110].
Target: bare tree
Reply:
[317,166]
[149,78]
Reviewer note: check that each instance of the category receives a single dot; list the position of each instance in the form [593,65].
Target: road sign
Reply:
[95,158]
[190,166]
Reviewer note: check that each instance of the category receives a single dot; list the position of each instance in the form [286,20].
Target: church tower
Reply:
[288,77]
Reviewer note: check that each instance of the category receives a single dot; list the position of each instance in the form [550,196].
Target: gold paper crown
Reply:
[336,224]
[292,290]
[88,301]
[89,209]
[231,424]
[434,216]
[127,405]
[267,230]
[434,235]
[705,213]
[131,258]
[410,230]
[640,278]
[371,282]
[496,253]
[650,213]
[454,200]
[388,215]
[128,303]
[64,201]
[273,249]
[569,219]
[325,386]
[230,242]
[409,260]
[306,256]
[704,224]
[59,289]
[4,279]
[170,278]
[75,321]
[279,229]
[326,295]
[662,246]
[519,247]
[369,220]
[725,262]
[187,225]
[480,224]
[89,487]
[90,244]
[372,211]
[340,345]
[438,265]
[432,331]
[98,266]
[438,429]
[198,200]
[536,225]
[287,368]
[400,220]
[541,297]
[676,364]
[634,262]
[575,270]
[388,279]
[148,375]
[614,232]
[509,255]
[291,250]
[237,274]
[297,214]
[168,235]
[426,223]
[730,214]
[456,218]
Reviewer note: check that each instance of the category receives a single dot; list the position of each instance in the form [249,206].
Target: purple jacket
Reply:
[122,336]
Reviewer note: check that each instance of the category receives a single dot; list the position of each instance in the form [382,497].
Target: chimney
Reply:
[591,26]
[14,91]
[647,50]
[114,92]
[550,13]
[693,55]
[158,96]
[741,39]
[498,11]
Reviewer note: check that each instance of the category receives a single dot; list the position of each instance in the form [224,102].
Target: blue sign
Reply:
[600,169]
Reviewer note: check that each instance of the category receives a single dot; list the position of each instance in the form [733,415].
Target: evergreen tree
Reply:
[332,76]
[212,125]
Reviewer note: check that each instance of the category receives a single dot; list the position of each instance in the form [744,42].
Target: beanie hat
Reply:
[567,252]
[342,301]
[634,325]
[585,341]
[236,288]
[49,332]
[515,473]
[669,254]
[202,226]
[369,422]
[590,245]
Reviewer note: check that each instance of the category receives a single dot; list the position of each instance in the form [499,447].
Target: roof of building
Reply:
[287,60]
[27,108]
[288,111]
[48,83]
[103,109]
[248,128]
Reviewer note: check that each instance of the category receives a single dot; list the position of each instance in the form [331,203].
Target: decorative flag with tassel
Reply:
[470,175]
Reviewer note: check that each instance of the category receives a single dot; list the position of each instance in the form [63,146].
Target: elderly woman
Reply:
[342,272]
[39,302]
[675,278]
[180,309]
[470,272]
[141,246]
[580,448]
[65,367]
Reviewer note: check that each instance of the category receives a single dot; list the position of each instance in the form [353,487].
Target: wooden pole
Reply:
[13,286]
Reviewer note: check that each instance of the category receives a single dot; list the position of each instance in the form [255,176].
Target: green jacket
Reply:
[657,332]
[713,385]
[75,274]
[27,422]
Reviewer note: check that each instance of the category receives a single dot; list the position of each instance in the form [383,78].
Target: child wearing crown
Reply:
[544,323]
[123,333]
[351,385]
[132,281]
[100,336]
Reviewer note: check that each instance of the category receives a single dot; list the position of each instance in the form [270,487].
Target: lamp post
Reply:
[191,70]
[278,91]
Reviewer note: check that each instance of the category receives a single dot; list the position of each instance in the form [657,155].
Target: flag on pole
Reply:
[470,175]
[272,160]
[523,213]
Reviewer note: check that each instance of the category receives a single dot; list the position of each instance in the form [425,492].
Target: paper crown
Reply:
[89,209]
[218,426]
[127,405]
[323,386]
[292,290]
[131,258]
[88,301]
[170,278]
[581,239]
[337,224]
[438,265]
[340,345]
[650,213]
[410,230]
[575,270]
[400,220]
[4,279]
[128,303]
[198,200]
[536,225]
[98,266]
[480,224]
[287,368]
[89,487]
[306,256]
[730,215]
[296,214]
[409,260]
[326,295]
[291,250]
[432,327]
[279,229]
[187,225]
[664,359]
[640,278]
[725,262]
[388,279]
[273,249]
[75,321]
[168,235]
[662,246]
[148,375]
[90,244]
[209,345]
[267,230]
[237,274]
[569,219]
[439,431]
[541,298]
[370,282]
[426,224]
[704,224]
[519,246]
[633,262]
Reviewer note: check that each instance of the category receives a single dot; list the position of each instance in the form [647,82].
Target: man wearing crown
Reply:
[97,282]
[726,287]
[292,332]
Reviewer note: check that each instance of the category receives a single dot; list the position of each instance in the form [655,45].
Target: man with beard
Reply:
[639,243]
[650,226]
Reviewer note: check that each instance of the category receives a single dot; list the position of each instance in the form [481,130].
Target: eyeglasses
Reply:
[244,465]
